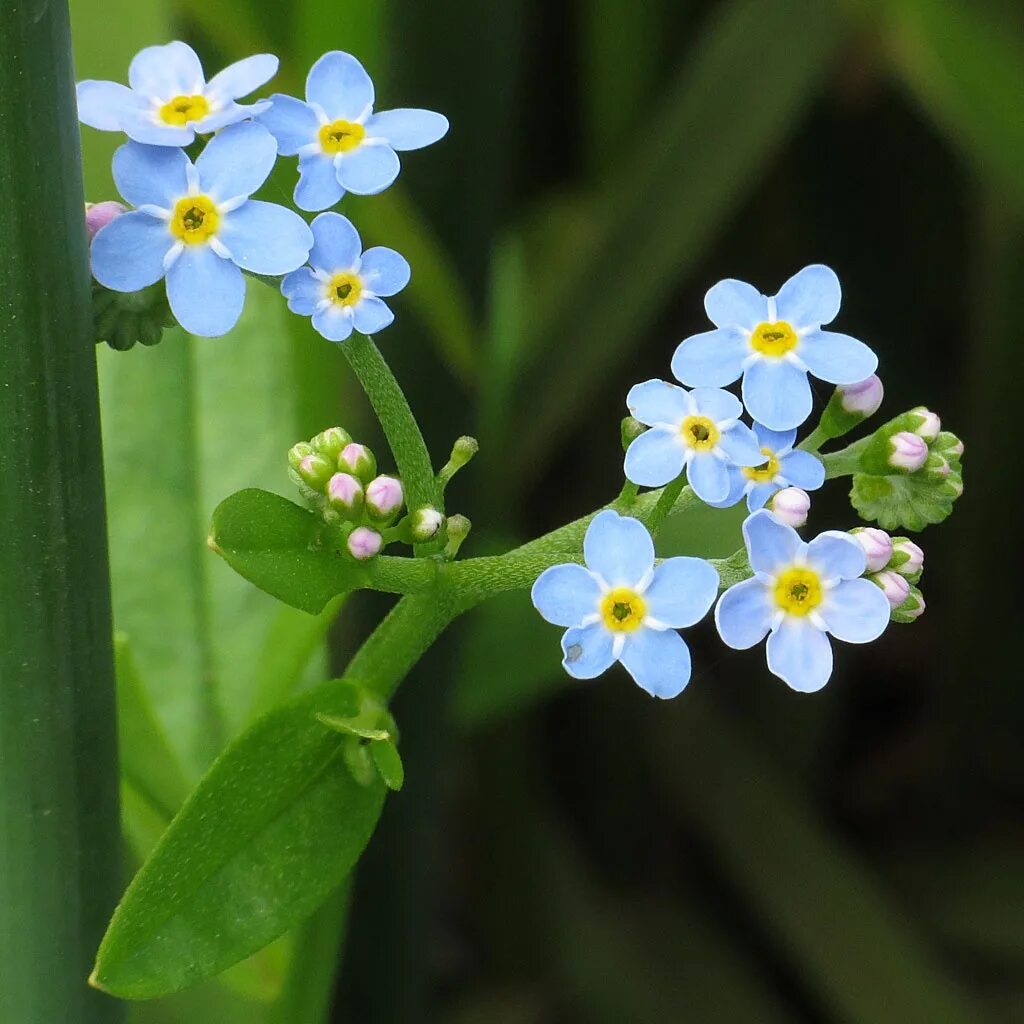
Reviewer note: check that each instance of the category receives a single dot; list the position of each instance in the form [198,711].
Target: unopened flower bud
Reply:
[330,443]
[907,558]
[384,497]
[364,543]
[424,524]
[315,471]
[893,585]
[955,486]
[358,460]
[99,215]
[345,493]
[936,466]
[912,608]
[863,398]
[791,505]
[948,444]
[908,452]
[929,425]
[877,545]
[298,452]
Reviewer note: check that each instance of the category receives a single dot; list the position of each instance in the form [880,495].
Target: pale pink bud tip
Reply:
[914,561]
[791,505]
[930,424]
[99,215]
[909,451]
[384,495]
[894,586]
[344,490]
[915,610]
[877,545]
[364,543]
[864,397]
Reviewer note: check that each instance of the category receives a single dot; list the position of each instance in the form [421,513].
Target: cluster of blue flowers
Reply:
[195,223]
[624,606]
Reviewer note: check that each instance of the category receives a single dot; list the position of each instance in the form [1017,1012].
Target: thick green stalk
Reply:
[59,839]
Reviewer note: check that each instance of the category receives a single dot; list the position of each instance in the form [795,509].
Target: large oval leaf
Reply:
[271,830]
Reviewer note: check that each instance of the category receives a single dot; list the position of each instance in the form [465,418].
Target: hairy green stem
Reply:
[814,440]
[846,461]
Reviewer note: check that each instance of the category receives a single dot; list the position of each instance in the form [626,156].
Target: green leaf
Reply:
[909,502]
[389,763]
[271,830]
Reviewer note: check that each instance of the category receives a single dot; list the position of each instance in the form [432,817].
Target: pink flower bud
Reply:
[863,398]
[384,497]
[345,493]
[894,586]
[937,466]
[913,607]
[930,424]
[358,460]
[99,215]
[911,560]
[791,505]
[909,451]
[877,545]
[364,543]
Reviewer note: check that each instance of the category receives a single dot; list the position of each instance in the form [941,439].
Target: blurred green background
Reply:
[578,852]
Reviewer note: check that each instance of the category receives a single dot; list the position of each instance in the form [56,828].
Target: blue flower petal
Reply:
[339,84]
[407,129]
[658,661]
[716,404]
[657,401]
[587,651]
[384,271]
[776,393]
[236,161]
[206,293]
[337,246]
[708,476]
[302,290]
[371,315]
[618,548]
[712,359]
[150,175]
[740,445]
[837,358]
[104,105]
[140,127]
[802,469]
[682,591]
[566,594]
[800,655]
[266,238]
[128,253]
[732,303]
[332,323]
[318,187]
[771,545]
[759,495]
[242,77]
[836,555]
[368,169]
[655,457]
[810,298]
[856,611]
[744,614]
[293,123]
[163,72]
[737,488]
[231,113]
[775,440]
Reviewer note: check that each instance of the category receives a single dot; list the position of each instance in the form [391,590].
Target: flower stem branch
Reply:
[846,461]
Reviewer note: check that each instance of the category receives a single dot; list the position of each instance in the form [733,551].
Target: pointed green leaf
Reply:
[389,764]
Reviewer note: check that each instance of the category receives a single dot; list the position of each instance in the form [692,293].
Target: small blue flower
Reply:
[340,289]
[196,225]
[621,607]
[170,100]
[341,143]
[799,594]
[773,343]
[698,431]
[782,466]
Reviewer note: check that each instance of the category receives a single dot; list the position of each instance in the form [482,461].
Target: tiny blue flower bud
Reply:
[358,460]
[345,494]
[791,506]
[364,543]
[893,585]
[877,545]
[908,452]
[384,497]
[424,524]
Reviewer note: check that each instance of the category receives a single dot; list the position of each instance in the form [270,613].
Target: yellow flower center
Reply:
[774,339]
[183,109]
[341,136]
[763,474]
[798,591]
[195,219]
[623,610]
[699,432]
[344,289]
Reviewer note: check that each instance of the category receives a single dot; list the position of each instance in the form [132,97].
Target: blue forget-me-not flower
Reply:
[169,100]
[196,225]
[698,431]
[773,343]
[621,607]
[798,595]
[341,287]
[341,143]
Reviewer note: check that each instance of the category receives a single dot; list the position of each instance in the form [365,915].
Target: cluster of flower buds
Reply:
[339,478]
[913,443]
[894,564]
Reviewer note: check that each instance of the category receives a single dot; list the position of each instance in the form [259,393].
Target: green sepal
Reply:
[389,764]
[124,319]
[909,502]
[629,430]
[900,558]
[911,609]
[371,748]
